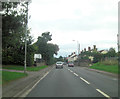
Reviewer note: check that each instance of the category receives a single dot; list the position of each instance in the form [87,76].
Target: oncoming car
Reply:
[59,64]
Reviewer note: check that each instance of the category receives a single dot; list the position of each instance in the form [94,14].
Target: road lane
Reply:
[63,83]
[103,82]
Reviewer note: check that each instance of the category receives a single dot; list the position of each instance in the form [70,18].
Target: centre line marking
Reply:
[71,71]
[75,74]
[84,80]
[103,93]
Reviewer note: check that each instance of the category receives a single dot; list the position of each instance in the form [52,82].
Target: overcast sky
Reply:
[90,22]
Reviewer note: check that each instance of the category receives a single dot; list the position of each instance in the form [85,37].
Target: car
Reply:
[59,64]
[70,64]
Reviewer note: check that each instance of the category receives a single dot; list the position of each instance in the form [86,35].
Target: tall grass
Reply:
[110,62]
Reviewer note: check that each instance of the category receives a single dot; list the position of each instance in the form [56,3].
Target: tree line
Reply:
[14,21]
[98,56]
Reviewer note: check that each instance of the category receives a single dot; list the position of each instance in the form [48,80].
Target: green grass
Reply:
[10,76]
[15,67]
[36,68]
[103,67]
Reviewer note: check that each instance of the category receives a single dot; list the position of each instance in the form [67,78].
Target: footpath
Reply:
[18,87]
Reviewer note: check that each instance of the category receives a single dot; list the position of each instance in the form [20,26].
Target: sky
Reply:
[73,22]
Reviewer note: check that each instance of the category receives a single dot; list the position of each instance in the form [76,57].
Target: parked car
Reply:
[70,64]
[59,64]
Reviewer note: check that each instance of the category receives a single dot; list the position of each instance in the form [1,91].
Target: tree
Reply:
[47,50]
[111,52]
[13,33]
[97,57]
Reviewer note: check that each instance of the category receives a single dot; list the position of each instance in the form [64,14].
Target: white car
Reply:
[59,64]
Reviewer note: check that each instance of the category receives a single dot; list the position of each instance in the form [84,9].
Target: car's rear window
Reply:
[59,63]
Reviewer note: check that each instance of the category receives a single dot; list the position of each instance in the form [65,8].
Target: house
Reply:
[103,51]
[73,57]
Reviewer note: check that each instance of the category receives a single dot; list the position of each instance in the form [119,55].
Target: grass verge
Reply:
[107,68]
[10,76]
[15,67]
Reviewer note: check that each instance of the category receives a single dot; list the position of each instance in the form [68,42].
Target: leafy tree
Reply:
[97,57]
[13,33]
[111,52]
[47,50]
[60,58]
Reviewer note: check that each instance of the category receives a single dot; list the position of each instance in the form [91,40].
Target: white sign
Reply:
[37,56]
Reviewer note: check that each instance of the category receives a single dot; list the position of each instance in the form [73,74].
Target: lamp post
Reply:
[26,39]
[78,48]
[118,43]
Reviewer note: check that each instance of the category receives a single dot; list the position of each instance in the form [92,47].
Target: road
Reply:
[75,82]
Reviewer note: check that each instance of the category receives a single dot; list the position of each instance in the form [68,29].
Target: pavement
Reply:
[18,87]
[12,70]
[66,82]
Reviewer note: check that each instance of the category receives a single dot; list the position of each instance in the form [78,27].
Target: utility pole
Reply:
[26,39]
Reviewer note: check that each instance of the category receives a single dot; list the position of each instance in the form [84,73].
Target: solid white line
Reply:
[84,80]
[103,93]
[28,91]
[75,74]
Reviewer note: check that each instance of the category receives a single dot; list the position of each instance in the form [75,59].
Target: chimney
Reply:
[89,49]
[84,49]
[94,47]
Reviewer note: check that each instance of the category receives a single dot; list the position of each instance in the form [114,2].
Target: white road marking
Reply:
[27,92]
[75,74]
[68,69]
[84,80]
[114,79]
[103,93]
[71,71]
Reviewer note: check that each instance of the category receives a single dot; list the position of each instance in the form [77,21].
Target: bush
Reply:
[97,57]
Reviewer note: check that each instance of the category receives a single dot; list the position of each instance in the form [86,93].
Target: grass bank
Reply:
[17,67]
[105,67]
[10,76]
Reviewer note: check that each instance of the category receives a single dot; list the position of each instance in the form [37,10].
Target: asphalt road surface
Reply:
[75,82]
